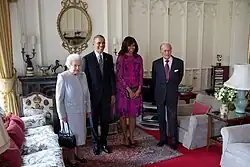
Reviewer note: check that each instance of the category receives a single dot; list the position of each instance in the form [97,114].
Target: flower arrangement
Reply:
[226,95]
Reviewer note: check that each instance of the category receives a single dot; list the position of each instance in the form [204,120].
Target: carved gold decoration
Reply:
[74,25]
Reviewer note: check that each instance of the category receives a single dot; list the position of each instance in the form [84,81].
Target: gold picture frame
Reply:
[74,25]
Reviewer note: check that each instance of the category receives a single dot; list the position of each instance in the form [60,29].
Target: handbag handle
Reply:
[69,130]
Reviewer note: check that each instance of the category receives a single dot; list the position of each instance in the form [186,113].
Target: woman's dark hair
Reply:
[128,41]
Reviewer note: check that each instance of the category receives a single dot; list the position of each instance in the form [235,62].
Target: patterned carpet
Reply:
[146,152]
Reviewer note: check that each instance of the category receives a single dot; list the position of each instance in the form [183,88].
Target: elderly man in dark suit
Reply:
[99,69]
[167,73]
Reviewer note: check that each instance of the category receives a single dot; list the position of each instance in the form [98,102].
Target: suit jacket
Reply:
[101,86]
[162,88]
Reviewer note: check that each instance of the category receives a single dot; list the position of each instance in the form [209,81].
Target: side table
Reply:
[232,118]
[187,96]
[149,113]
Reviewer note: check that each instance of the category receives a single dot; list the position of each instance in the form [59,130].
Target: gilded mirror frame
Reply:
[82,6]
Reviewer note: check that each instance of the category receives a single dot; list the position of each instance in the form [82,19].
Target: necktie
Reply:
[101,63]
[166,67]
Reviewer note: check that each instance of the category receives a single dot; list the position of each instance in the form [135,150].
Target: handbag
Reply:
[133,90]
[65,139]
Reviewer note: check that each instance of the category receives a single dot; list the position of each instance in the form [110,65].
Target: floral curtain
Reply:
[7,72]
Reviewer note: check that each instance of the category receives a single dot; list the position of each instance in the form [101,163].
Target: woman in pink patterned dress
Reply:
[129,80]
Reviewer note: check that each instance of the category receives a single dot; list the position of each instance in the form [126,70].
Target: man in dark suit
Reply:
[99,69]
[167,73]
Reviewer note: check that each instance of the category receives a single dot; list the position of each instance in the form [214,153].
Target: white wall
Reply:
[198,30]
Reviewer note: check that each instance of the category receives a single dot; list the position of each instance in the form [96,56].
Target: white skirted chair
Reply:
[236,146]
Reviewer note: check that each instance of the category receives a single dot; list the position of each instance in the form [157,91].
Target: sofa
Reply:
[192,129]
[32,143]
[236,146]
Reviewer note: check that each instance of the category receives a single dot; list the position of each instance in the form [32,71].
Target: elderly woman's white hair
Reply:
[72,57]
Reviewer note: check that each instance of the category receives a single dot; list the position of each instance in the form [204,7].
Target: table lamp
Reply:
[240,81]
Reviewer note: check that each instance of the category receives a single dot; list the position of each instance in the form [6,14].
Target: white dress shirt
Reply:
[170,61]
[98,56]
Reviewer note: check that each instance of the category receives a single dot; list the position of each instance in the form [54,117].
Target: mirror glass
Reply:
[74,26]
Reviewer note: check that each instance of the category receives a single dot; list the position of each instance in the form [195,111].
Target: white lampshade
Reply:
[4,138]
[240,80]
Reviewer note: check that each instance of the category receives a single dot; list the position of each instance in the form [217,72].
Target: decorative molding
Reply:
[180,7]
[237,7]
[163,8]
[195,7]
[210,9]
[143,5]
[249,7]
[230,12]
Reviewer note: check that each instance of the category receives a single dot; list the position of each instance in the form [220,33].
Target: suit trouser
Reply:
[171,120]
[100,113]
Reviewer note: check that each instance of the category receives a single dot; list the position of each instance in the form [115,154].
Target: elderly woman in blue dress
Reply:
[73,103]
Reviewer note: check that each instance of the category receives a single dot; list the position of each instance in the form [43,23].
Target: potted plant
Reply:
[226,96]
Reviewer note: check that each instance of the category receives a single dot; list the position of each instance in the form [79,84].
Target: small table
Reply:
[187,96]
[149,113]
[232,118]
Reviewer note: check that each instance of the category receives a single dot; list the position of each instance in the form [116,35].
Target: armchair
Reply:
[236,146]
[192,129]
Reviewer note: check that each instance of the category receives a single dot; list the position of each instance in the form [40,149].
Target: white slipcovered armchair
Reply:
[236,146]
[193,128]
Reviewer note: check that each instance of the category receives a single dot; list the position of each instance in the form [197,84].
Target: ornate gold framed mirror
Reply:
[74,25]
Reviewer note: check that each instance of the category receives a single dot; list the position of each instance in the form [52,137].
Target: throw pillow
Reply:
[16,133]
[200,108]
[18,120]
[13,155]
[34,121]
[32,111]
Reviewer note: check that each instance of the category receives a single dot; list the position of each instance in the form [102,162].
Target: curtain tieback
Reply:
[7,84]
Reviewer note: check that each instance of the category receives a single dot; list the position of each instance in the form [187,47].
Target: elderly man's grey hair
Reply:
[72,57]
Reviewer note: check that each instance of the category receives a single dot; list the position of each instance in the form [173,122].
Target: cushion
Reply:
[16,133]
[52,156]
[18,120]
[209,100]
[46,130]
[41,165]
[241,150]
[12,155]
[200,108]
[34,121]
[32,111]
[39,142]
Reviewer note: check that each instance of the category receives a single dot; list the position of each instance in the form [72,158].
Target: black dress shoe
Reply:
[173,146]
[106,149]
[161,143]
[82,160]
[72,164]
[96,150]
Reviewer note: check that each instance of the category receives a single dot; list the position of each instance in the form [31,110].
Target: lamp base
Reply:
[241,102]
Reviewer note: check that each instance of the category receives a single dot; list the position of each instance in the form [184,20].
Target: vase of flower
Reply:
[224,109]
[226,96]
